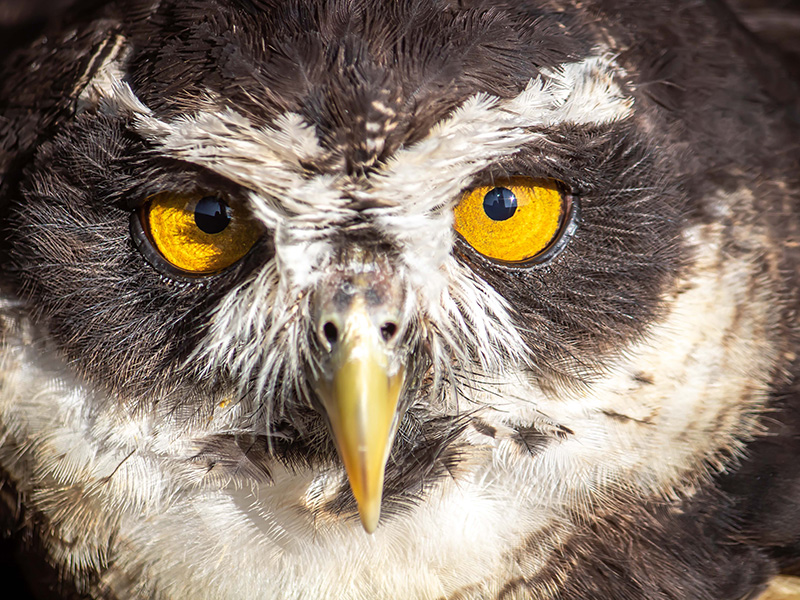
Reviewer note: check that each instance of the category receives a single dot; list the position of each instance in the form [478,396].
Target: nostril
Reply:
[388,331]
[331,332]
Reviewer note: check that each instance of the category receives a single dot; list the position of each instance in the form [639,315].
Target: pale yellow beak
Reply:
[360,401]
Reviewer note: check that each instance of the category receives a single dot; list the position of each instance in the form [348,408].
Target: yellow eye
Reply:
[512,221]
[199,234]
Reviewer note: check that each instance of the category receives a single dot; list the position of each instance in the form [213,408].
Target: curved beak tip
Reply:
[370,515]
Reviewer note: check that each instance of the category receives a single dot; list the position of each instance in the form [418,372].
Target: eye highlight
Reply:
[513,221]
[198,234]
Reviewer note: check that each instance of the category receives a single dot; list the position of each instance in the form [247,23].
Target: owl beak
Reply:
[360,396]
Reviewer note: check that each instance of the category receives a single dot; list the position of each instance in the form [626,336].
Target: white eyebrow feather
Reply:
[269,160]
[485,129]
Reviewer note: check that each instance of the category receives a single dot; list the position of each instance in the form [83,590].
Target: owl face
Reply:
[427,265]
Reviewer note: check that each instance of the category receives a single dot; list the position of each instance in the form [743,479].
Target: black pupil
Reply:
[500,204]
[212,215]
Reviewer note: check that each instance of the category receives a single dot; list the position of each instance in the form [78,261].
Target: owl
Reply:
[399,299]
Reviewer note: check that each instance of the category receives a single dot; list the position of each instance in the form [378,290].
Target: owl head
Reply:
[392,259]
